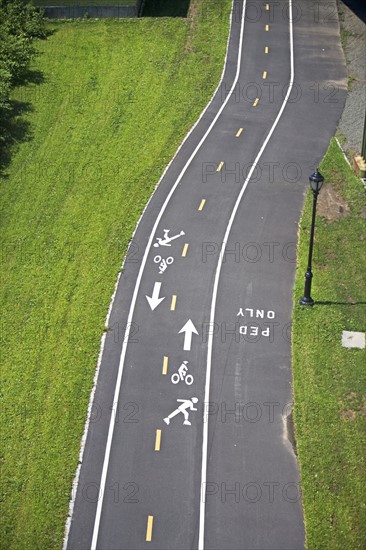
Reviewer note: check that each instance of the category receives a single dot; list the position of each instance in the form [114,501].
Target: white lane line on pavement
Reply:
[103,478]
[201,535]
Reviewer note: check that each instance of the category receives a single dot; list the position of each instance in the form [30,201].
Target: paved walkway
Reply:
[199,454]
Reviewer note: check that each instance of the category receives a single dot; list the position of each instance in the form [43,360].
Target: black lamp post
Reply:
[316,181]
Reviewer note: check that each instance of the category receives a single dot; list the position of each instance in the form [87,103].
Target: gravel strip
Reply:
[353,37]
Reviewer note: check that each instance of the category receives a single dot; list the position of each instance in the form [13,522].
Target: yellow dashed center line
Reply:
[165,365]
[174,301]
[266,49]
[267,27]
[157,441]
[202,204]
[256,101]
[264,74]
[239,132]
[267,7]
[220,166]
[149,528]
[185,249]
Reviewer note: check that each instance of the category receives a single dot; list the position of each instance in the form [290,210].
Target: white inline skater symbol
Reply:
[166,240]
[183,408]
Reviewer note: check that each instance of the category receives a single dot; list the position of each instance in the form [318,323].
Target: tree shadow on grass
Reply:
[166,8]
[14,128]
[30,77]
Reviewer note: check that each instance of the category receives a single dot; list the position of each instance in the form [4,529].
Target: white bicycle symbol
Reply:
[182,375]
[163,263]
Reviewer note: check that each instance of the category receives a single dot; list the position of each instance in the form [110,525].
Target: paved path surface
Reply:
[219,472]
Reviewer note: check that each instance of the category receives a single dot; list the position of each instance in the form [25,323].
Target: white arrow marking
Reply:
[189,329]
[154,300]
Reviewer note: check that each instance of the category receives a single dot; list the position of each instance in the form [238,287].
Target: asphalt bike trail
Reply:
[189,439]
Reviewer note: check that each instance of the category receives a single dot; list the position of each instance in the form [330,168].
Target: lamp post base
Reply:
[305,301]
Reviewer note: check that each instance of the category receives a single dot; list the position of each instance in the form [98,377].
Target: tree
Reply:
[20,25]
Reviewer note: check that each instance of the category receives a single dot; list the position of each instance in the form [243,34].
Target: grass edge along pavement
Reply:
[329,381]
[111,102]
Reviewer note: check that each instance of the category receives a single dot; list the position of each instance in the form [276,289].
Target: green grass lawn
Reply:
[329,380]
[113,101]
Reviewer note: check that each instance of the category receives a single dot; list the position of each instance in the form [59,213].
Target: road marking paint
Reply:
[267,7]
[149,528]
[185,248]
[165,365]
[189,329]
[266,49]
[256,101]
[264,74]
[202,204]
[267,28]
[220,166]
[185,405]
[157,440]
[201,533]
[239,132]
[166,240]
[174,301]
[163,263]
[154,300]
[103,478]
[182,375]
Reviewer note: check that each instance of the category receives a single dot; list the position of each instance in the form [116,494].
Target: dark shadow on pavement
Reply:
[358,7]
[166,8]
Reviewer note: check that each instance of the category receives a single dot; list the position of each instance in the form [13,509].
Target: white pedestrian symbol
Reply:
[186,404]
[165,241]
[163,263]
[182,375]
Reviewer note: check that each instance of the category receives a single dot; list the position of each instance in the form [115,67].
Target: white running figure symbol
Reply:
[186,404]
[165,241]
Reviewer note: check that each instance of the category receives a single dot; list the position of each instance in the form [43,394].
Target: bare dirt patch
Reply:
[331,205]
[351,395]
[348,415]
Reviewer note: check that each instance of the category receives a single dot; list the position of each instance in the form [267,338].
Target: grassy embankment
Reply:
[106,105]
[329,380]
